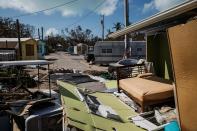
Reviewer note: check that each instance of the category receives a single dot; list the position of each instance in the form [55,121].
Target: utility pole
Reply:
[48,43]
[38,33]
[126,16]
[42,30]
[103,27]
[19,39]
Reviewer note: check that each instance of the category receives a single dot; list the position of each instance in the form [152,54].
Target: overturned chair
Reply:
[144,88]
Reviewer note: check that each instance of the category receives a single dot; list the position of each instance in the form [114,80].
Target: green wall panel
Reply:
[158,53]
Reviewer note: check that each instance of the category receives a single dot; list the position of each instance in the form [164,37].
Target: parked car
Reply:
[123,62]
[89,56]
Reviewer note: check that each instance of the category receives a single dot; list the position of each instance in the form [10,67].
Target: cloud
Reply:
[108,7]
[148,6]
[51,31]
[160,5]
[73,9]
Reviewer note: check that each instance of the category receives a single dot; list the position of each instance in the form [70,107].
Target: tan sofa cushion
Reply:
[145,75]
[146,90]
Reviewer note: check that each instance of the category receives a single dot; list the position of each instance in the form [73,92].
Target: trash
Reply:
[62,70]
[143,123]
[165,114]
[94,72]
[124,98]
[75,71]
[159,117]
[25,105]
[75,78]
[155,120]
[147,121]
[108,112]
[28,109]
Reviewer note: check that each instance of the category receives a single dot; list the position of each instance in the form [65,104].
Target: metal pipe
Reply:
[6,44]
[103,27]
[38,33]
[126,16]
[38,77]
[42,33]
[49,81]
[19,39]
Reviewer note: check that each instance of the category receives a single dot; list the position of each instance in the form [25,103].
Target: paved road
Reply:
[68,61]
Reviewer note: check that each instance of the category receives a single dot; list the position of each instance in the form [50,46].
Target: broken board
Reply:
[183,44]
[78,115]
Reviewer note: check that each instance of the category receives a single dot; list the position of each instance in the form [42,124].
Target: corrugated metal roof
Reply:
[161,16]
[13,39]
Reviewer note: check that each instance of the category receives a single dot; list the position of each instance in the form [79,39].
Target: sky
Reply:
[86,13]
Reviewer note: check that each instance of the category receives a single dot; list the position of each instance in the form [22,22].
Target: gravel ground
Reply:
[68,61]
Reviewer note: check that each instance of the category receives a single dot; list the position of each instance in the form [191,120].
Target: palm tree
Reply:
[117,26]
[108,32]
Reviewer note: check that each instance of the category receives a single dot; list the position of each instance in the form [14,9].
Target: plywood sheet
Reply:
[183,44]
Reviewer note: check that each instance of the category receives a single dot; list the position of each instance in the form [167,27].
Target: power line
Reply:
[89,13]
[51,8]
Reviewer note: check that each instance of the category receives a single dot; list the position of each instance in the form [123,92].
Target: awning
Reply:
[158,18]
[25,62]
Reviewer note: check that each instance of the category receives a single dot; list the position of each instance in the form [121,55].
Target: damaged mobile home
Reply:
[106,52]
[171,46]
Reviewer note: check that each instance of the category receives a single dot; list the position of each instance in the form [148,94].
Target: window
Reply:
[106,50]
[139,49]
[29,50]
[109,50]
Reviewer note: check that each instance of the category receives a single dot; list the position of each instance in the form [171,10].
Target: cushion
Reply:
[146,90]
[144,75]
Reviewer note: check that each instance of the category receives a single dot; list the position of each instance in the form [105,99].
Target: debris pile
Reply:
[75,78]
[19,103]
[155,120]
[21,106]
[94,72]
[12,77]
[103,74]
[62,70]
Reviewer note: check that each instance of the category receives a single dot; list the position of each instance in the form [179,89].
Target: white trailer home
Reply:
[106,52]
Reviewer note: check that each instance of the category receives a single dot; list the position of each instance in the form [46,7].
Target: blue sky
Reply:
[64,17]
